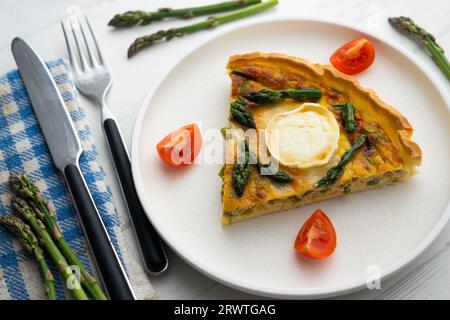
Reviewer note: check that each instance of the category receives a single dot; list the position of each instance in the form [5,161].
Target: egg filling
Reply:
[302,138]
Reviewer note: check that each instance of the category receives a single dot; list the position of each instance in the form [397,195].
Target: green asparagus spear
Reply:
[270,96]
[240,113]
[276,176]
[264,96]
[27,213]
[242,74]
[281,177]
[336,172]
[25,189]
[212,22]
[242,169]
[30,243]
[427,40]
[348,116]
[139,17]
[269,171]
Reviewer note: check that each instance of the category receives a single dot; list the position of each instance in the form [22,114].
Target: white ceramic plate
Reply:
[384,228]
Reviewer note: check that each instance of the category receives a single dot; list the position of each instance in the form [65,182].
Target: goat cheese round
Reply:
[302,138]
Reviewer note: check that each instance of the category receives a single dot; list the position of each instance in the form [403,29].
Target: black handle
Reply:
[155,259]
[108,264]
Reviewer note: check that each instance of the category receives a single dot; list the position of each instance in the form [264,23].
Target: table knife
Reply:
[65,149]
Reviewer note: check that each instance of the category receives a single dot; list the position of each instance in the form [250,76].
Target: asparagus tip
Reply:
[16,226]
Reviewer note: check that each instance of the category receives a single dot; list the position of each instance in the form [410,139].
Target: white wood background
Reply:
[38,22]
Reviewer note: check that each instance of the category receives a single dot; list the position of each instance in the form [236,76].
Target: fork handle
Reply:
[155,260]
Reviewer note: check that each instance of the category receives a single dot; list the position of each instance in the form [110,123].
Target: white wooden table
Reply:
[38,22]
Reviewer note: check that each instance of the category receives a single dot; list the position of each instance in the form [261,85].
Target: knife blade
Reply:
[65,149]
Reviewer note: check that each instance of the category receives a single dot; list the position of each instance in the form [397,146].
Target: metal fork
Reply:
[93,79]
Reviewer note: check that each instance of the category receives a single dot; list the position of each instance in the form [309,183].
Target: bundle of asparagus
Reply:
[133,18]
[41,230]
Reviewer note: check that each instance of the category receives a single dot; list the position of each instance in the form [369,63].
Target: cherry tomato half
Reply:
[179,148]
[354,57]
[317,237]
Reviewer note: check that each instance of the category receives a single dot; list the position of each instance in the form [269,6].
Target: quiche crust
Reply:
[393,158]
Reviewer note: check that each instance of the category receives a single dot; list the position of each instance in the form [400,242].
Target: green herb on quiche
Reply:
[347,188]
[240,114]
[222,175]
[243,87]
[269,171]
[348,116]
[278,176]
[222,172]
[242,169]
[270,96]
[336,172]
[373,181]
[242,74]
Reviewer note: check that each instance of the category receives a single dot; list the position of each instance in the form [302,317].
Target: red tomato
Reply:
[354,57]
[317,238]
[179,148]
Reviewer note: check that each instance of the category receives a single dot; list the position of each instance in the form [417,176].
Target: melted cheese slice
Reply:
[304,137]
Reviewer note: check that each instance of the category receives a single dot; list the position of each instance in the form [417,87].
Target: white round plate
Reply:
[383,229]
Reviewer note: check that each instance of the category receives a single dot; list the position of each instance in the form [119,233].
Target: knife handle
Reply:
[155,260]
[111,270]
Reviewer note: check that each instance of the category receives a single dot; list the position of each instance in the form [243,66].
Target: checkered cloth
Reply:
[23,150]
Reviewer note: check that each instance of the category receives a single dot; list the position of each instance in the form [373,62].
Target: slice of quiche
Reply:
[327,135]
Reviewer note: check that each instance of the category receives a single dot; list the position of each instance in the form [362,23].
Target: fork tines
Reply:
[79,43]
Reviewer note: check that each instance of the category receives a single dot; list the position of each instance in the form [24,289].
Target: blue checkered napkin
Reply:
[23,149]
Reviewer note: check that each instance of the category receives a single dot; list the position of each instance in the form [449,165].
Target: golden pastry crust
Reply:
[392,157]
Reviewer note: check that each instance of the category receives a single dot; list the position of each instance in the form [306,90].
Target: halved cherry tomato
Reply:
[354,57]
[179,148]
[317,238]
